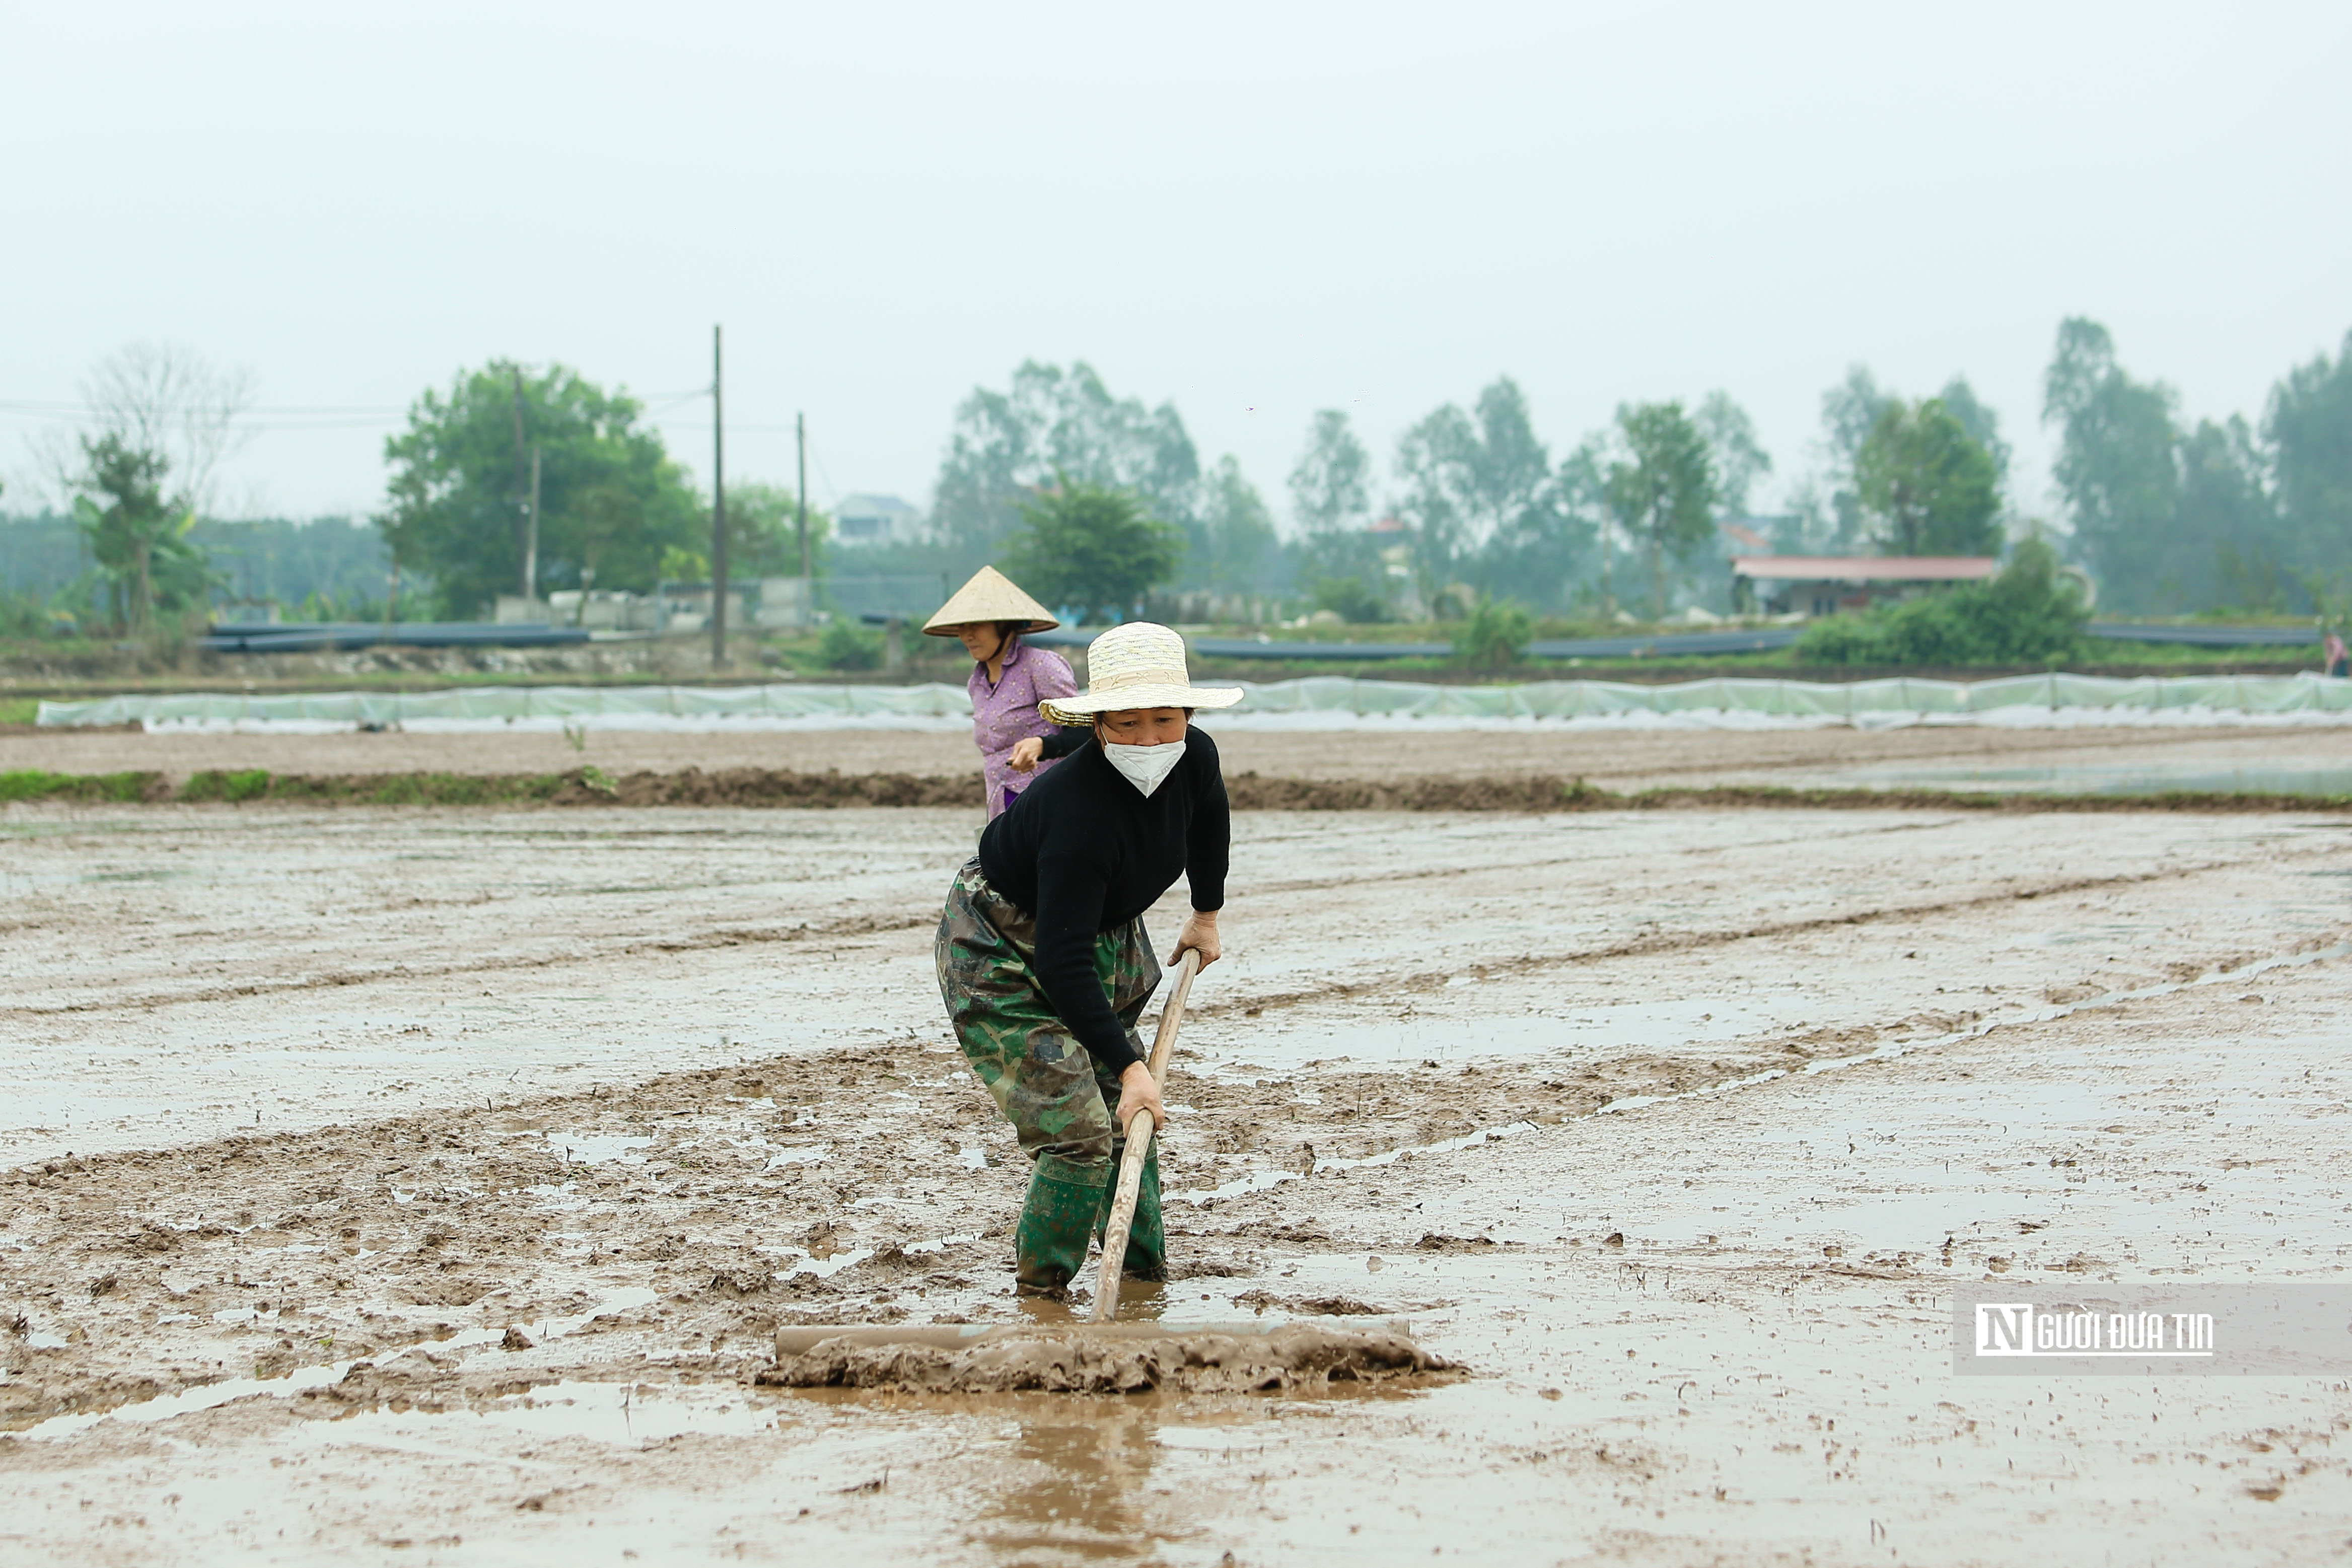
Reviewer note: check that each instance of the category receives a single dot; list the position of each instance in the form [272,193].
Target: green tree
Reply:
[1495,637]
[680,564]
[1830,511]
[1538,550]
[158,413]
[137,538]
[1093,548]
[847,646]
[1740,457]
[611,498]
[1849,411]
[1354,599]
[2224,512]
[2308,425]
[1661,489]
[1330,486]
[1472,479]
[764,532]
[2169,519]
[1007,447]
[1234,547]
[1930,488]
[1331,499]
[2116,463]
[1983,425]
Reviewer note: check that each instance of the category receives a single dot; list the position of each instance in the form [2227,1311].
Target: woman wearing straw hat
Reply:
[1043,961]
[1008,681]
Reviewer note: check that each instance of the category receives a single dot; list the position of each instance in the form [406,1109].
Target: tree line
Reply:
[2171,516]
[1098,499]
[2167,516]
[1475,507]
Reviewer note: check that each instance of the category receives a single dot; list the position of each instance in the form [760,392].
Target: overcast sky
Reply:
[1252,210]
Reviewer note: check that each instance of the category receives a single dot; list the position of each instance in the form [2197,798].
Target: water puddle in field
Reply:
[212,1396]
[630,1414]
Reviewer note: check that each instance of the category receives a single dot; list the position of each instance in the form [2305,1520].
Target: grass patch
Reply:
[34,784]
[19,709]
[248,783]
[390,789]
[239,786]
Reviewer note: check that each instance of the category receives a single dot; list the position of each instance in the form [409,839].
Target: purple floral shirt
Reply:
[1007,711]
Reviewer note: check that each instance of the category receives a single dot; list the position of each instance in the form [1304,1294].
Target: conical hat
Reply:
[989,597]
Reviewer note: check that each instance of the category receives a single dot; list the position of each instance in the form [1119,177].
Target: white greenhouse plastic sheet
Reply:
[1320,702]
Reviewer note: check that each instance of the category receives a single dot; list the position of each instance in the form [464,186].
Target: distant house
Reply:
[875,520]
[1825,585]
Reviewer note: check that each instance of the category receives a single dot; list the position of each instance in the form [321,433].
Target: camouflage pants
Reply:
[1058,1098]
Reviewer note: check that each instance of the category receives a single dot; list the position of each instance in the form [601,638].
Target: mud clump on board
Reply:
[1299,1355]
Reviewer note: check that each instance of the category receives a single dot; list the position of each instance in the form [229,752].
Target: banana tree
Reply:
[136,537]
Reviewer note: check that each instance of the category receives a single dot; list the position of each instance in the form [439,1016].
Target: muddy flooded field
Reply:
[407,1185]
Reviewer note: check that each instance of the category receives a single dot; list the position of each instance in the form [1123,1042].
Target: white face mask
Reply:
[1145,767]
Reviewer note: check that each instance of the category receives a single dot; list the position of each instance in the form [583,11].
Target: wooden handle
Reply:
[1138,1146]
[1171,1012]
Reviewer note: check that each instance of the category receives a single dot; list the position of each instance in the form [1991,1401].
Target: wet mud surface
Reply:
[399,1186]
[1083,1358]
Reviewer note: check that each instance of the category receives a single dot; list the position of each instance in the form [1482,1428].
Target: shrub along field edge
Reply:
[776,788]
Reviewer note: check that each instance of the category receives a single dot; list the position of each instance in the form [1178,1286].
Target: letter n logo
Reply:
[2005,1328]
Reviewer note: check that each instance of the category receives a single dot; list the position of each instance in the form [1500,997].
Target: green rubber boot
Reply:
[1147,1238]
[1064,1206]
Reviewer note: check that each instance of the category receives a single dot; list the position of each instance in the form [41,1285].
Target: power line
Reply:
[825,478]
[735,426]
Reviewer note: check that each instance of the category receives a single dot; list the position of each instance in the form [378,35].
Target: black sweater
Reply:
[1085,852]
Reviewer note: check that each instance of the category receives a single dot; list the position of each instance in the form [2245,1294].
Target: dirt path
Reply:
[1616,760]
[623,1094]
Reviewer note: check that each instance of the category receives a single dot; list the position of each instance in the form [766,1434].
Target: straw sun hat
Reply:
[1138,665]
[989,596]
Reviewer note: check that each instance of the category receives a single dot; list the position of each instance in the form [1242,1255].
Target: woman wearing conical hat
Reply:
[1008,681]
[1043,961]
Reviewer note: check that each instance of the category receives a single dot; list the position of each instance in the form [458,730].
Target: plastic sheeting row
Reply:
[1319,702]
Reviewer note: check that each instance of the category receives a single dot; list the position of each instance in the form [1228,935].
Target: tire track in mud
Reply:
[1689,940]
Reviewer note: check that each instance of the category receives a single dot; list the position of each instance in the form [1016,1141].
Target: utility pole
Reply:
[808,587]
[531,548]
[718,507]
[522,484]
